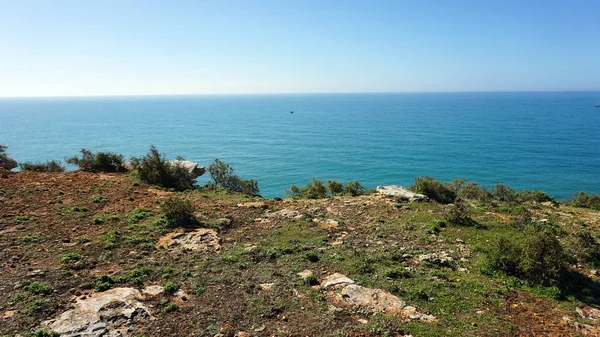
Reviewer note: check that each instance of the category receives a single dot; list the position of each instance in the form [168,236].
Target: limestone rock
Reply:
[327,224]
[190,166]
[305,274]
[198,240]
[153,290]
[335,279]
[401,193]
[284,213]
[378,300]
[111,313]
[441,258]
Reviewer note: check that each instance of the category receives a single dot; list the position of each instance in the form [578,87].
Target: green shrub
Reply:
[538,258]
[110,239]
[584,247]
[156,170]
[585,200]
[45,333]
[335,187]
[140,214]
[178,212]
[103,283]
[98,162]
[38,288]
[504,193]
[171,287]
[69,258]
[433,189]
[354,188]
[521,218]
[458,213]
[171,307]
[294,191]
[474,192]
[534,196]
[99,198]
[222,175]
[49,166]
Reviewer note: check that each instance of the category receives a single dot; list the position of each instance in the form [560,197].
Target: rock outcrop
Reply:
[401,193]
[190,166]
[111,313]
[374,300]
[198,240]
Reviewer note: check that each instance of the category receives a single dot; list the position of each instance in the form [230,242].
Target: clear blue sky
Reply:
[127,47]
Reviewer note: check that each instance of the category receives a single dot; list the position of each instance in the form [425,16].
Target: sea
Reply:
[529,140]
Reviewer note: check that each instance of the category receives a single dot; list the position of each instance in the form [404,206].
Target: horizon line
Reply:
[294,93]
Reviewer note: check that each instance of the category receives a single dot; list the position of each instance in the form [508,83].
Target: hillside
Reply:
[93,247]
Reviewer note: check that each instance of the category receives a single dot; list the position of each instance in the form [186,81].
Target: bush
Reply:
[582,199]
[171,287]
[49,166]
[335,187]
[178,212]
[539,258]
[222,176]
[522,218]
[504,193]
[5,161]
[156,170]
[98,162]
[354,188]
[534,196]
[474,192]
[584,247]
[458,214]
[433,189]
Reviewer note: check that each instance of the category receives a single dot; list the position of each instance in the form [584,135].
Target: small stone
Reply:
[153,290]
[335,279]
[580,312]
[362,321]
[260,328]
[305,274]
[9,313]
[266,286]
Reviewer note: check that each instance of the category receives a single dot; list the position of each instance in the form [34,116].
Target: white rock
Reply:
[198,240]
[401,192]
[335,279]
[153,290]
[110,313]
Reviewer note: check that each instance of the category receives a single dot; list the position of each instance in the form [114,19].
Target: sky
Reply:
[177,47]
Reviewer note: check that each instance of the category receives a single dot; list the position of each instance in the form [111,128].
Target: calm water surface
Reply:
[548,141]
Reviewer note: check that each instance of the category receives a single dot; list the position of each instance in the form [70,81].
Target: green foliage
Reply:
[102,218]
[171,287]
[178,212]
[504,193]
[140,214]
[317,189]
[538,258]
[156,170]
[45,333]
[435,190]
[585,200]
[69,258]
[474,192]
[99,198]
[37,288]
[171,307]
[103,283]
[584,247]
[521,218]
[335,187]
[222,175]
[534,196]
[98,162]
[110,239]
[458,213]
[354,188]
[49,166]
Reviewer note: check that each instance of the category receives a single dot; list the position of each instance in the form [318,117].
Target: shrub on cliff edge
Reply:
[156,170]
[222,175]
[98,162]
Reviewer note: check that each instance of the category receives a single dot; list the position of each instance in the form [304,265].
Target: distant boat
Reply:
[291,112]
[597,105]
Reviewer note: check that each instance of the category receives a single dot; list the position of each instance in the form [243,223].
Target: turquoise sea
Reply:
[533,140]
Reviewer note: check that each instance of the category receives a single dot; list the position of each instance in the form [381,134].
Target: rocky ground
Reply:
[83,254]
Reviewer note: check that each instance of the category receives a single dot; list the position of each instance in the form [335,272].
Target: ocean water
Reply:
[542,140]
